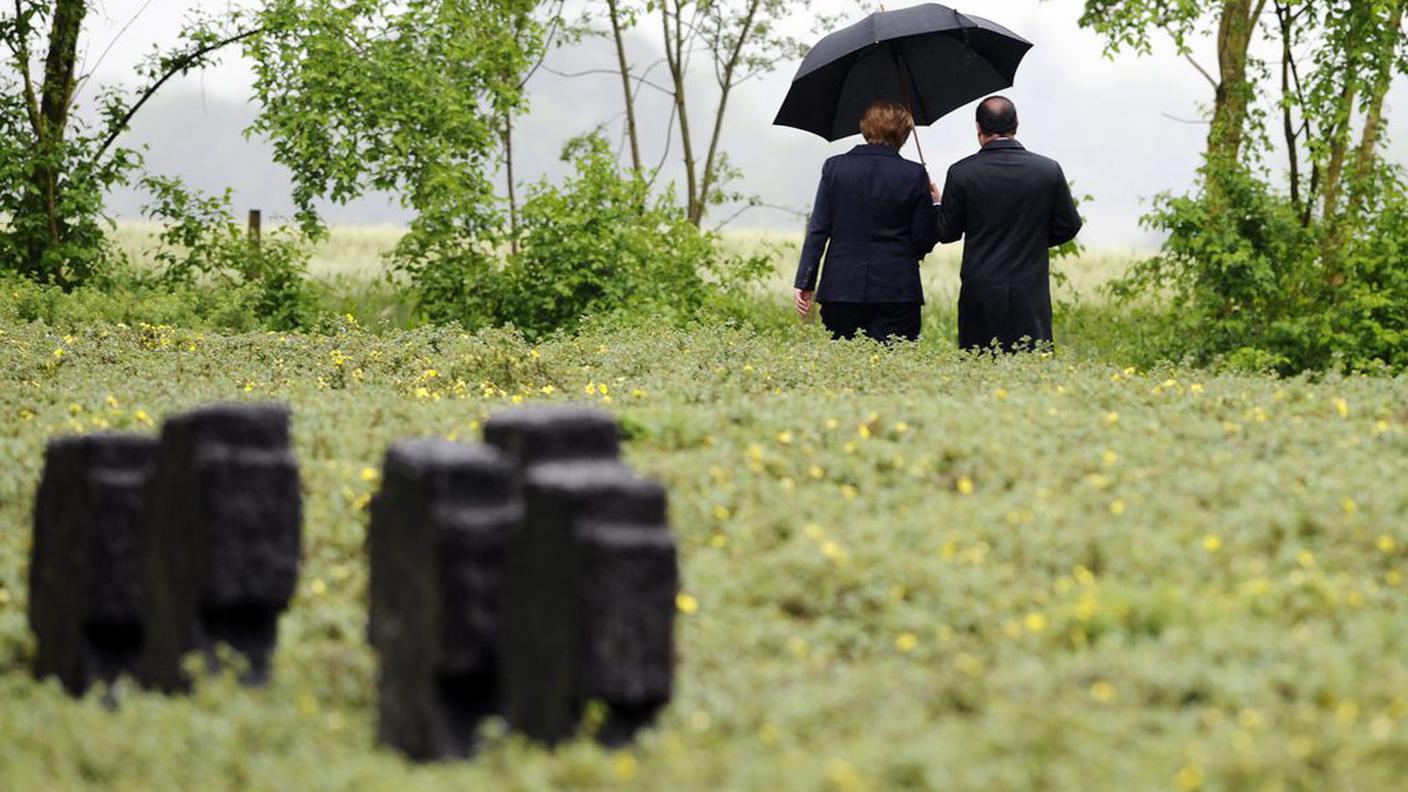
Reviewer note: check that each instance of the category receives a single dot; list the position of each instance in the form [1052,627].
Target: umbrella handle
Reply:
[909,102]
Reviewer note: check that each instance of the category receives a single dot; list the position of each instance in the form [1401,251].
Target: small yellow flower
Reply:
[369,474]
[1196,387]
[1103,692]
[1112,418]
[906,641]
[547,390]
[141,417]
[1035,622]
[864,431]
[1117,507]
[721,513]
[1349,506]
[517,399]
[816,472]
[1342,407]
[1386,543]
[686,603]
[833,551]
[1212,543]
[318,587]
[965,485]
[1306,559]
[1189,778]
[1000,394]
[623,764]
[58,353]
[784,438]
[1109,457]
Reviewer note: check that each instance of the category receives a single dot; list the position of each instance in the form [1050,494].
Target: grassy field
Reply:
[904,569]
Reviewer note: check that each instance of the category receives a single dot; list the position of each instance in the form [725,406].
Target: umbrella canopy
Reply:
[929,57]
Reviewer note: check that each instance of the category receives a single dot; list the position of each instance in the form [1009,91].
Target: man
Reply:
[1009,205]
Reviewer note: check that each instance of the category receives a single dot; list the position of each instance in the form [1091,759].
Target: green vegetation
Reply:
[904,569]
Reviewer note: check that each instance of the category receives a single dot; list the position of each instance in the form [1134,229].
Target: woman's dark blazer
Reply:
[874,207]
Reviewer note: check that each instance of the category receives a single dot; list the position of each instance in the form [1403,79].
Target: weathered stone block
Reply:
[439,526]
[539,434]
[589,601]
[220,540]
[83,603]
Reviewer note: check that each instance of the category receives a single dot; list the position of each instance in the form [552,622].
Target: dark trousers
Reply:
[879,321]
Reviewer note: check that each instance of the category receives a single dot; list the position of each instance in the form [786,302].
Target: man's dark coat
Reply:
[874,207]
[1009,205]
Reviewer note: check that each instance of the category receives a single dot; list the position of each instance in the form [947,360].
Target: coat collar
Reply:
[874,150]
[1004,143]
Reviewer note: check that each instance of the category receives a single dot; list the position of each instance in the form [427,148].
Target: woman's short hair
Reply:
[886,123]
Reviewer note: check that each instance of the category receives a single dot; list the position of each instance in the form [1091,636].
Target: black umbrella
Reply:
[929,57]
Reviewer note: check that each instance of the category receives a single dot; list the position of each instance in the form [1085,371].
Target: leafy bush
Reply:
[202,242]
[1255,286]
[600,245]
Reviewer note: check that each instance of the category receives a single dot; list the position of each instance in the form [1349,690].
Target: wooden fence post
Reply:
[254,224]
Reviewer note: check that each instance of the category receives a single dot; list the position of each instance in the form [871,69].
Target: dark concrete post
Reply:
[438,530]
[534,435]
[220,540]
[83,604]
[589,601]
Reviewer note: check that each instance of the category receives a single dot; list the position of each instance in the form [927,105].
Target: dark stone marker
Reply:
[535,435]
[589,602]
[221,539]
[439,526]
[83,604]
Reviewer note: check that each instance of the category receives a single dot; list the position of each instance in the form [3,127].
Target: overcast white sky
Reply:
[1120,127]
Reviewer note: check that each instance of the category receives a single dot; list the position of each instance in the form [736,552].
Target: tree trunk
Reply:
[613,9]
[1373,121]
[725,87]
[55,96]
[512,192]
[1283,15]
[1339,147]
[1234,31]
[674,59]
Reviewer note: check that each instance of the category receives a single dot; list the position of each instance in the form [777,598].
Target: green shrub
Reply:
[602,245]
[1256,286]
[201,242]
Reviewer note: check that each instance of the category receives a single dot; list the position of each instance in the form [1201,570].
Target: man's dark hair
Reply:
[997,116]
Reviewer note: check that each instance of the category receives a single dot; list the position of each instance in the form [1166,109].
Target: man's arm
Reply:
[1065,220]
[951,216]
[818,232]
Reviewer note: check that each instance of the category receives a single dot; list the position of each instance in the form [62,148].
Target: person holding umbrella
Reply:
[1006,203]
[874,217]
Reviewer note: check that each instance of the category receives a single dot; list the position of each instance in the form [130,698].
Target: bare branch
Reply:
[84,79]
[1188,56]
[613,72]
[180,66]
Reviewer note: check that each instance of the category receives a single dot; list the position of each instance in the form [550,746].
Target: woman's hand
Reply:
[803,300]
[935,193]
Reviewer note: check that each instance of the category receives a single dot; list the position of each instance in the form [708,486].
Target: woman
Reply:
[876,210]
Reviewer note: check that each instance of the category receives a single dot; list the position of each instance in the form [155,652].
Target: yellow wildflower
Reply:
[686,603]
